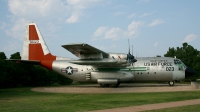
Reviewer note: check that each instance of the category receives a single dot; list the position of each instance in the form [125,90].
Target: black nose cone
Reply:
[189,72]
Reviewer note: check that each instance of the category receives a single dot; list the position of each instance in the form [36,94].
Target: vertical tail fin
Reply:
[35,47]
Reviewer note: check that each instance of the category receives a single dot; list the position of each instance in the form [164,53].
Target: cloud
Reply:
[17,30]
[83,4]
[108,33]
[45,11]
[100,31]
[118,13]
[103,47]
[70,10]
[156,22]
[119,6]
[155,44]
[73,19]
[133,28]
[26,11]
[115,33]
[131,16]
[190,38]
[35,8]
[146,14]
[77,8]
[2,25]
[145,1]
[11,46]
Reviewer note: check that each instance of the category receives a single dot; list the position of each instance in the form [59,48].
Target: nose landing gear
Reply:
[171,83]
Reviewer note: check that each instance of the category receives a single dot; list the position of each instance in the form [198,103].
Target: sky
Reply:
[152,26]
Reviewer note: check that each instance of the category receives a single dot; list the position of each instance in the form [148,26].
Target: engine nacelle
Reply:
[118,56]
[109,77]
[121,58]
[107,81]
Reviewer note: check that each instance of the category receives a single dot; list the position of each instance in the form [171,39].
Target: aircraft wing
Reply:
[85,51]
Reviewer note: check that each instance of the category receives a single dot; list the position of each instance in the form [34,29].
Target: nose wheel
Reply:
[171,83]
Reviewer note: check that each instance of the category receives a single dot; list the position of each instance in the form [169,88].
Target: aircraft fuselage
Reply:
[145,69]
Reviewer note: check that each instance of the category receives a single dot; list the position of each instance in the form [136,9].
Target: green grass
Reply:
[190,108]
[23,100]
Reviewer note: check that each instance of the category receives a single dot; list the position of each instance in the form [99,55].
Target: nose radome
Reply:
[189,72]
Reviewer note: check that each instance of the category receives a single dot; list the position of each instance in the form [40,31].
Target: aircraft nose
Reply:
[189,72]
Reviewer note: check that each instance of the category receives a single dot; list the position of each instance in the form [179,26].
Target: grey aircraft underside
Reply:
[96,66]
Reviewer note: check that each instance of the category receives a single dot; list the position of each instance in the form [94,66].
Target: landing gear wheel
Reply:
[116,85]
[109,85]
[171,83]
[104,85]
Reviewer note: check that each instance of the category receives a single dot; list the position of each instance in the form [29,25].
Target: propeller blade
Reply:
[128,47]
[131,59]
[132,49]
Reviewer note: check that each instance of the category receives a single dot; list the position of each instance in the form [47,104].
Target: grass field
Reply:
[23,100]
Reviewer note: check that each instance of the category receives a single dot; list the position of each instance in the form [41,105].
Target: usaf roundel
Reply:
[69,70]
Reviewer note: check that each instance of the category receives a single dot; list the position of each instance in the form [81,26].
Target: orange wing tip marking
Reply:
[119,57]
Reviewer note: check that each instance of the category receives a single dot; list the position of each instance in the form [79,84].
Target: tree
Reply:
[3,67]
[188,55]
[2,55]
[22,75]
[15,56]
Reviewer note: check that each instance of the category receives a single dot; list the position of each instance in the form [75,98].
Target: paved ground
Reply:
[124,88]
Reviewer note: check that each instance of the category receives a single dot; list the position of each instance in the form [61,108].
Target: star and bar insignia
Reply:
[69,70]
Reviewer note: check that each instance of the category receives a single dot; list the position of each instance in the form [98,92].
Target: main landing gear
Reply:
[171,83]
[109,85]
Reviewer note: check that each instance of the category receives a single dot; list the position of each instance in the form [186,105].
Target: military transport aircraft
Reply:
[97,66]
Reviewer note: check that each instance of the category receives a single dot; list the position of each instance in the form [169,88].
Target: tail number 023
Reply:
[169,68]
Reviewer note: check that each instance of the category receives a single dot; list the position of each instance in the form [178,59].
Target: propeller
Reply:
[130,56]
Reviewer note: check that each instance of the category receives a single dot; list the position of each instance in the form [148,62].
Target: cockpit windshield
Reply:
[179,62]
[176,61]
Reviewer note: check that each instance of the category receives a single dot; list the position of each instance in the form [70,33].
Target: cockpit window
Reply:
[177,61]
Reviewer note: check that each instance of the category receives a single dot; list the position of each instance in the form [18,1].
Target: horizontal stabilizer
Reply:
[35,62]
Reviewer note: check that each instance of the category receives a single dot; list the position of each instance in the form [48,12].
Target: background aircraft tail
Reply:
[35,48]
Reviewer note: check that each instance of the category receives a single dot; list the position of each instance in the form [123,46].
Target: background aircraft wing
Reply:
[85,51]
